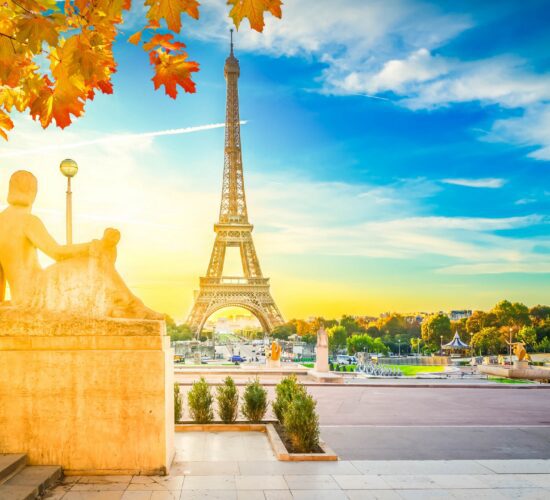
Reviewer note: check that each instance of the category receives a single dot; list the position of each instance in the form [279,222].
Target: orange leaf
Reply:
[5,124]
[136,37]
[66,98]
[254,11]
[172,70]
[171,11]
[164,41]
[33,30]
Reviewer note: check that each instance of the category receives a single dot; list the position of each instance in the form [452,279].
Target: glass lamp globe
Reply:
[68,168]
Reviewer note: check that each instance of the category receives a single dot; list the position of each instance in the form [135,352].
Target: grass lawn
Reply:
[308,365]
[412,370]
[503,380]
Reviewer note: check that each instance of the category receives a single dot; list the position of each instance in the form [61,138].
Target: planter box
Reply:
[273,437]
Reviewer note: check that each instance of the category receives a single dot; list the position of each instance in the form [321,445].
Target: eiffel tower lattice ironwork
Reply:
[251,291]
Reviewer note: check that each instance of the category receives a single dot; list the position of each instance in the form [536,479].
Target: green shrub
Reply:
[178,403]
[228,401]
[302,423]
[285,392]
[200,402]
[255,402]
[331,367]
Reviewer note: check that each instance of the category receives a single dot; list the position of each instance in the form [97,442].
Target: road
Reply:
[392,423]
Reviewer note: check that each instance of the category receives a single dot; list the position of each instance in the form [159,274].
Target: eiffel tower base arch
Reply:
[210,299]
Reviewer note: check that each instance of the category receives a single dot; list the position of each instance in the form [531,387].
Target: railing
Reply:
[234,280]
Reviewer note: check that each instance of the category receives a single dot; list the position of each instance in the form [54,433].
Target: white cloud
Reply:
[390,46]
[109,139]
[492,183]
[531,129]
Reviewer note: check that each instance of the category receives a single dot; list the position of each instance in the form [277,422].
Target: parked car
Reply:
[237,359]
[346,360]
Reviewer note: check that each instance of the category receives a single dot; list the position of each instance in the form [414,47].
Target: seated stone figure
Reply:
[83,281]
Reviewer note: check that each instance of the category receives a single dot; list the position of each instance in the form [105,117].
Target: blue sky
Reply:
[397,155]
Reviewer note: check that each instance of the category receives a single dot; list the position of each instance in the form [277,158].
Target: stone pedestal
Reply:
[95,397]
[321,361]
[521,365]
[273,363]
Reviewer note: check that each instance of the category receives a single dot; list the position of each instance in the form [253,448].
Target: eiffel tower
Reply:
[251,292]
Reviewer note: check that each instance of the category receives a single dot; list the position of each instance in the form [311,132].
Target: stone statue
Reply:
[321,352]
[322,337]
[83,281]
[275,351]
[520,351]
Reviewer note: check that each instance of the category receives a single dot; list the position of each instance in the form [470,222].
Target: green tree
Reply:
[479,320]
[489,341]
[360,343]
[337,337]
[433,328]
[510,314]
[539,314]
[351,325]
[528,335]
[282,332]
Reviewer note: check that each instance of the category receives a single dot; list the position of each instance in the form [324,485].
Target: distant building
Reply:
[462,314]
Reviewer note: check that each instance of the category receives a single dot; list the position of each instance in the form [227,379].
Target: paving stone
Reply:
[250,495]
[318,495]
[406,482]
[319,482]
[526,493]
[209,483]
[260,483]
[421,494]
[517,466]
[474,494]
[372,495]
[208,495]
[99,487]
[202,468]
[278,495]
[295,468]
[425,467]
[93,495]
[362,482]
[456,481]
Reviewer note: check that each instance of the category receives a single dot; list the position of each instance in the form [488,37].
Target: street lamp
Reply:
[69,168]
[510,345]
[441,345]
[399,346]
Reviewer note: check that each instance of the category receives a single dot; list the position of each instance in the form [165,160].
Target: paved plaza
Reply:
[241,466]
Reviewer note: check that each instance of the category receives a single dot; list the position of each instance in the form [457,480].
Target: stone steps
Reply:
[21,482]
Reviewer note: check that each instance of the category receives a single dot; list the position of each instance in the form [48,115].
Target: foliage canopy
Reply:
[55,56]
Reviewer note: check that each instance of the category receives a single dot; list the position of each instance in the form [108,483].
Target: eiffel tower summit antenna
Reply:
[251,290]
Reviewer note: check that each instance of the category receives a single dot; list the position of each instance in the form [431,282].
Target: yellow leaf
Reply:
[171,11]
[135,38]
[254,11]
[5,124]
[33,30]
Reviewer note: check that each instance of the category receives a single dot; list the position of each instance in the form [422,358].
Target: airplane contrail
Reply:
[113,138]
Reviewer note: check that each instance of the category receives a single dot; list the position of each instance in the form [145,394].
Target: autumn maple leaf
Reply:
[172,70]
[33,30]
[171,11]
[5,124]
[254,10]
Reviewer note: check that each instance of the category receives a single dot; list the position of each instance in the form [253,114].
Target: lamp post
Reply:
[69,168]
[441,345]
[510,345]
[399,346]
